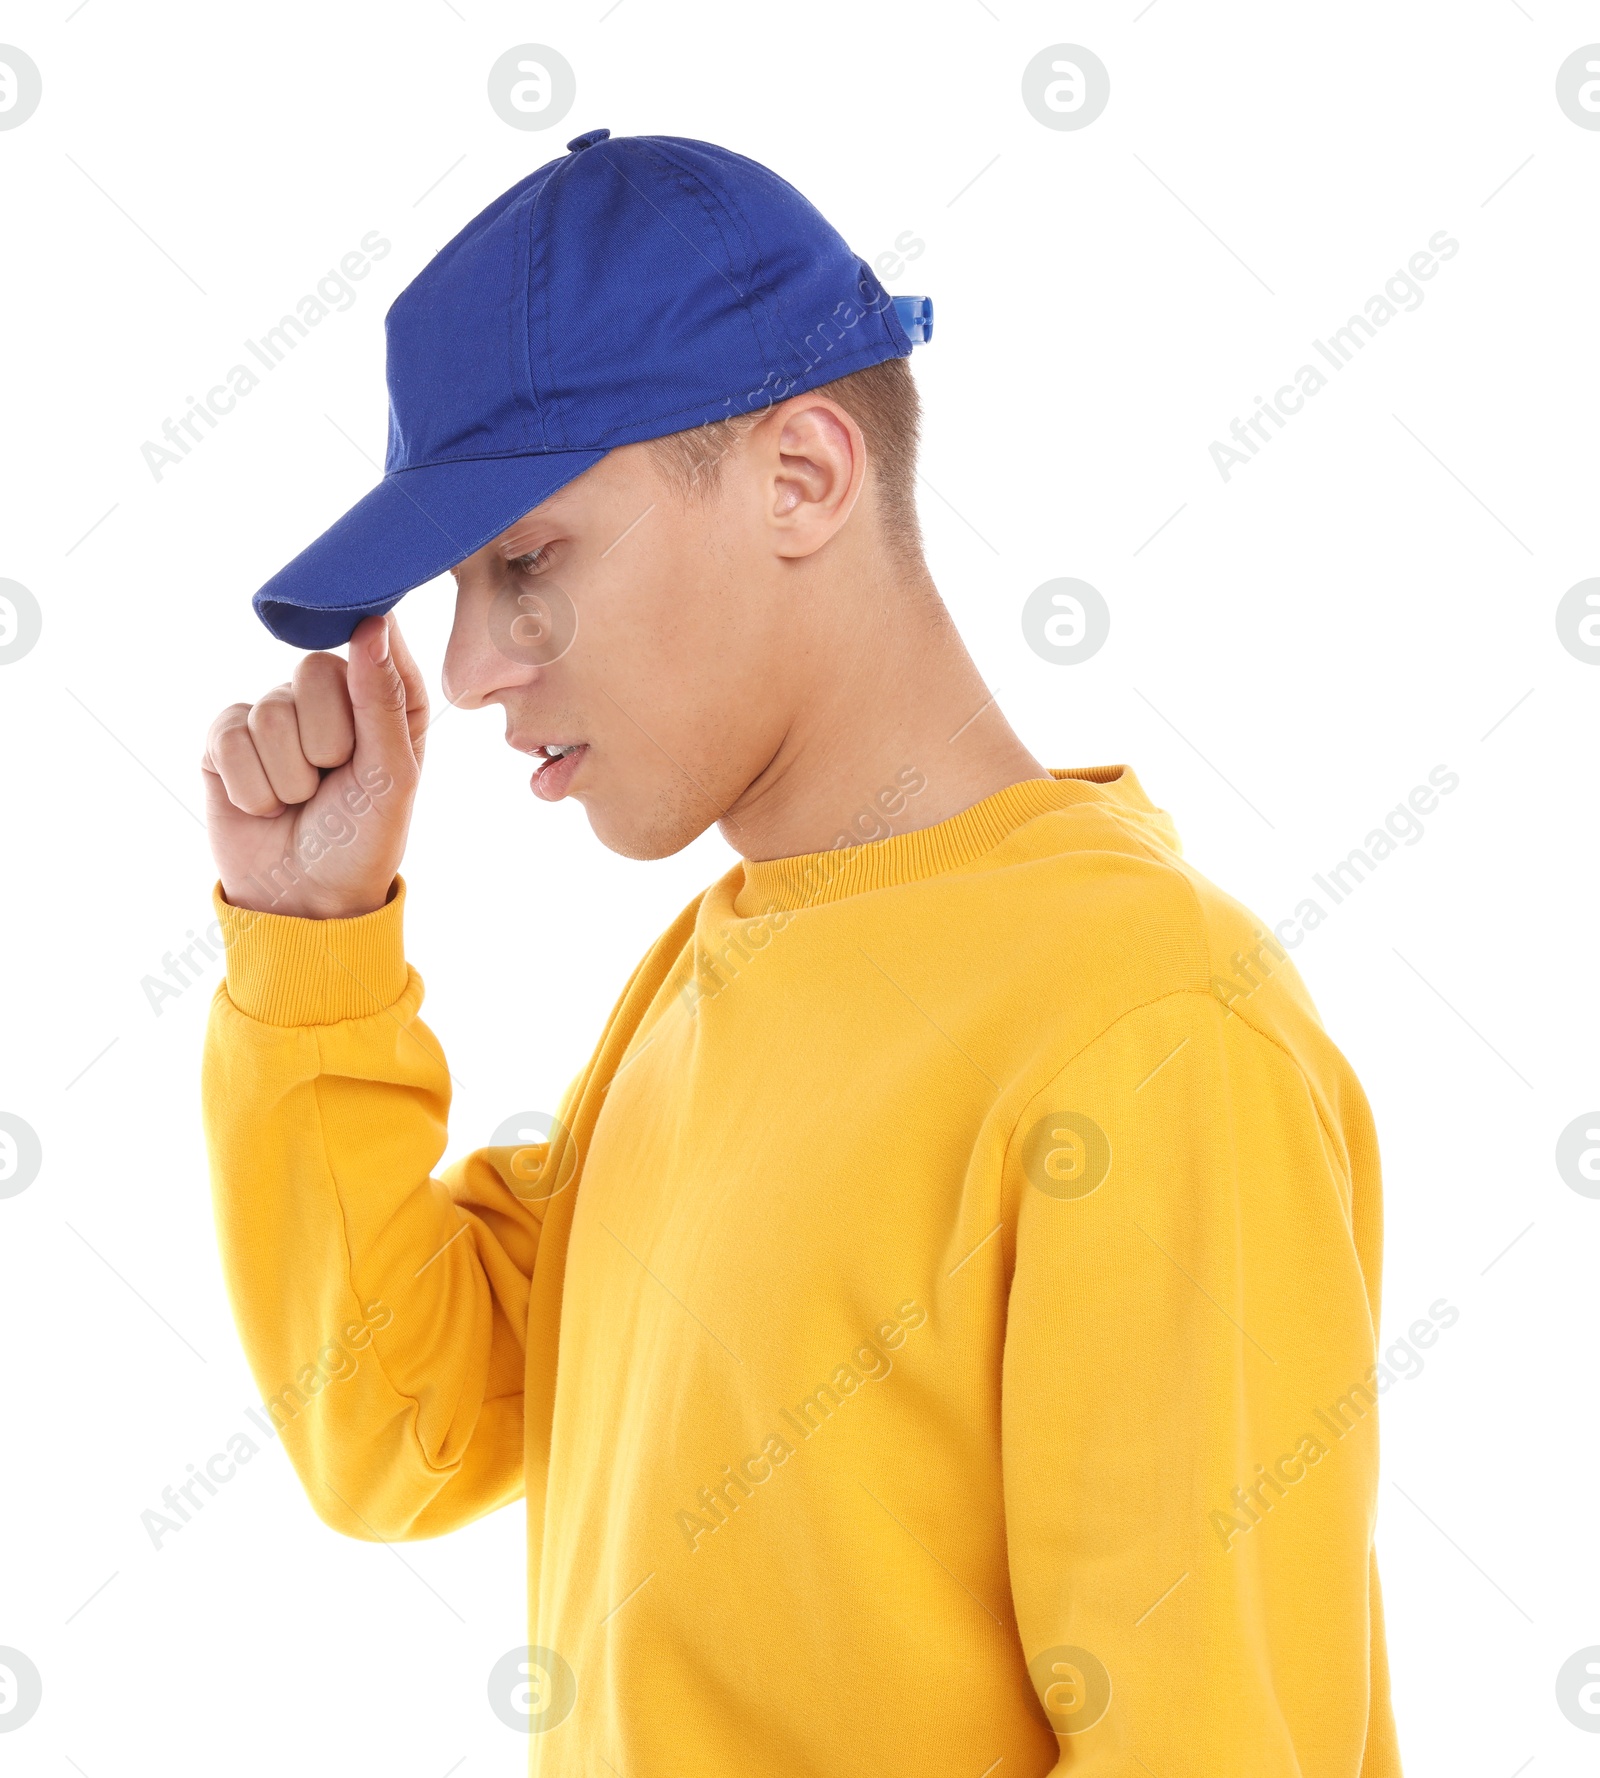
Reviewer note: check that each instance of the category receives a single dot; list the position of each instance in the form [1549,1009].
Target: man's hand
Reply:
[309,789]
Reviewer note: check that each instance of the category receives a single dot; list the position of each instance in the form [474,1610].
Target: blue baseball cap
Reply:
[634,287]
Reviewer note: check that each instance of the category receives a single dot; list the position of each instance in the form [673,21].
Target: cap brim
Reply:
[414,525]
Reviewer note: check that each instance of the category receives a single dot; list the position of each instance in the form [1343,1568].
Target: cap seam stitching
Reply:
[523,265]
[694,187]
[757,306]
[546,398]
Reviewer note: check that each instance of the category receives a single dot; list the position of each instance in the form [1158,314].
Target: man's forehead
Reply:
[547,512]
[564,505]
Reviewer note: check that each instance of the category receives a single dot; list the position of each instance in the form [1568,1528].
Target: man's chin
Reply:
[642,834]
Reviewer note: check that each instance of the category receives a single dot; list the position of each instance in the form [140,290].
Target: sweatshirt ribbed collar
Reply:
[813,878]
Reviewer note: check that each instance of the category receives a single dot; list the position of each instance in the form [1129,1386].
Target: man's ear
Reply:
[812,480]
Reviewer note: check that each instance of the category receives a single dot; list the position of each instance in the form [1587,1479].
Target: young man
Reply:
[938,1333]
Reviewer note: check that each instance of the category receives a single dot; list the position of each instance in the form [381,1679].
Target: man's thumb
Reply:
[377,699]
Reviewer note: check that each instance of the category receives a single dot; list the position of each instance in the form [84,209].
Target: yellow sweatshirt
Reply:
[937,1338]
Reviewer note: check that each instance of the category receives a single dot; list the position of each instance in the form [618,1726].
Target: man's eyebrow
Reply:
[547,512]
[516,540]
[523,530]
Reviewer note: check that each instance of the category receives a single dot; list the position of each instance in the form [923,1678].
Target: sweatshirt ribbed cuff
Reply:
[284,970]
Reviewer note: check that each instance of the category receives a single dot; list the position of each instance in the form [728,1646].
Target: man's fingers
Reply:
[378,702]
[370,712]
[234,714]
[231,755]
[322,705]
[275,729]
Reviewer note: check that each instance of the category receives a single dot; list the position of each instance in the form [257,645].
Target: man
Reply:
[938,1333]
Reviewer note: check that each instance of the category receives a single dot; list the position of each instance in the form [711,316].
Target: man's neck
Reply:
[893,729]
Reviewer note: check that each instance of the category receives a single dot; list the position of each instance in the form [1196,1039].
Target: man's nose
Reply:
[475,665]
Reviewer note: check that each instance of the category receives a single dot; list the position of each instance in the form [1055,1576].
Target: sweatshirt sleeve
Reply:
[1189,1431]
[383,1310]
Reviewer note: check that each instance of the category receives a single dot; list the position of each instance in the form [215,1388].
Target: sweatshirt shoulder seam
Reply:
[1157,1000]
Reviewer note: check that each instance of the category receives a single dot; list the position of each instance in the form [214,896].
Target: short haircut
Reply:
[882,400]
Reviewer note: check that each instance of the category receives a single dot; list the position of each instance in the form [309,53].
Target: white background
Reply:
[1369,598]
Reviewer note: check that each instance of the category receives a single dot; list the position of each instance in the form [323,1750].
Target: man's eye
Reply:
[530,563]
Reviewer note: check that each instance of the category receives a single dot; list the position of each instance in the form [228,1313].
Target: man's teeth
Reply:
[561,752]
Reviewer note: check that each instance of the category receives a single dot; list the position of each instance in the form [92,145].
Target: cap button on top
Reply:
[587,139]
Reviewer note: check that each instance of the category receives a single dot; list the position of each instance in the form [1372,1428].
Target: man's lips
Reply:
[559,758]
[554,776]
